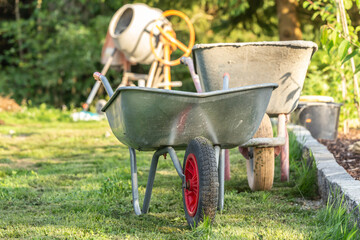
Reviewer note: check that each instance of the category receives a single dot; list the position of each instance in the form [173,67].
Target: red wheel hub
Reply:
[191,191]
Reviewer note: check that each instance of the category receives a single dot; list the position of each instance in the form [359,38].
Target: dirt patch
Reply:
[24,164]
[28,164]
[341,150]
[310,204]
[8,104]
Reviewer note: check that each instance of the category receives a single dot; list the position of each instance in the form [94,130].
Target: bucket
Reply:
[130,30]
[320,118]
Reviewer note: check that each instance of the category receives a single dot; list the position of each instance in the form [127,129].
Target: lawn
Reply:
[71,180]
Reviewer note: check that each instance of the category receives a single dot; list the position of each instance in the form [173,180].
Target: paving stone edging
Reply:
[332,178]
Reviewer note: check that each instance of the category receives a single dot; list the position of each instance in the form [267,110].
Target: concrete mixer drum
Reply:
[139,34]
[130,27]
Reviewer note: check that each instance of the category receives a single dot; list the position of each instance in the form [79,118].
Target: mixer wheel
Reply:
[200,190]
[260,166]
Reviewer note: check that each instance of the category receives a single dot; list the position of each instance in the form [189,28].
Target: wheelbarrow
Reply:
[284,63]
[160,120]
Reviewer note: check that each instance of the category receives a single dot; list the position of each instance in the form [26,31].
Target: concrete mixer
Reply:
[139,34]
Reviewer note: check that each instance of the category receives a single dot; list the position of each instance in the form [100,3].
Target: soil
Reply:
[8,104]
[343,154]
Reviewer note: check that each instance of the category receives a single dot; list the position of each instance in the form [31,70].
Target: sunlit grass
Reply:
[64,179]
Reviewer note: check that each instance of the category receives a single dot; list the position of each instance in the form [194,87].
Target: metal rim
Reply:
[188,94]
[191,192]
[291,44]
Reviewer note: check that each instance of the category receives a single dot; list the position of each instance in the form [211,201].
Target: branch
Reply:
[321,4]
[348,37]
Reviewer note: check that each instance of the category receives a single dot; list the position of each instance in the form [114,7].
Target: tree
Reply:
[289,25]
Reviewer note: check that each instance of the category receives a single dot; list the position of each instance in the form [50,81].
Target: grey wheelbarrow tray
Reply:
[284,63]
[164,120]
[148,119]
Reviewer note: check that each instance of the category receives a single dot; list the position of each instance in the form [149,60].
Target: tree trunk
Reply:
[289,25]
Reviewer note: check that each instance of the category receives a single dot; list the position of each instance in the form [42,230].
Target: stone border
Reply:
[332,178]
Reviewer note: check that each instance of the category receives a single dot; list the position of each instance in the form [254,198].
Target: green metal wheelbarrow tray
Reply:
[204,124]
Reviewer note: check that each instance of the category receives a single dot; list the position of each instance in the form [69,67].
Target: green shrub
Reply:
[43,114]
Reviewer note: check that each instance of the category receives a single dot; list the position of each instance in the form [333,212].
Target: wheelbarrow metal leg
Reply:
[151,178]
[284,149]
[227,165]
[220,164]
[152,173]
[217,154]
[134,183]
[150,183]
[284,156]
[221,170]
[176,163]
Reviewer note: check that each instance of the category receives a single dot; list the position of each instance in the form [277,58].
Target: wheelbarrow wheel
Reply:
[200,190]
[260,166]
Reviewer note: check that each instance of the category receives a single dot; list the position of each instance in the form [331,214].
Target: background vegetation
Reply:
[49,52]
[335,66]
[48,49]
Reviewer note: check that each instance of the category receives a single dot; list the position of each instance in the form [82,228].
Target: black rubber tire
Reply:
[208,180]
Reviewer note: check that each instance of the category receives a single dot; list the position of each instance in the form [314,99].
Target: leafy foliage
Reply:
[56,44]
[48,55]
[330,72]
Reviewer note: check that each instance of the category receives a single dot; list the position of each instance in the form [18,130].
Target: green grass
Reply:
[303,168]
[339,224]
[71,180]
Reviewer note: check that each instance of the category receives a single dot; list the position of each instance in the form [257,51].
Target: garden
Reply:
[65,178]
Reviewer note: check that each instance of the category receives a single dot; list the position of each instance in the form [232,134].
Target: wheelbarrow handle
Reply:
[99,77]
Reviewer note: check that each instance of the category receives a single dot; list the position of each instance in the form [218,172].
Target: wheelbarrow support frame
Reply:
[155,159]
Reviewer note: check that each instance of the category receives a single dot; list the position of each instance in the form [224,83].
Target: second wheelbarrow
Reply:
[284,63]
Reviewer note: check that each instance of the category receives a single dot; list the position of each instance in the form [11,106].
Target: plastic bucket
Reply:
[320,118]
